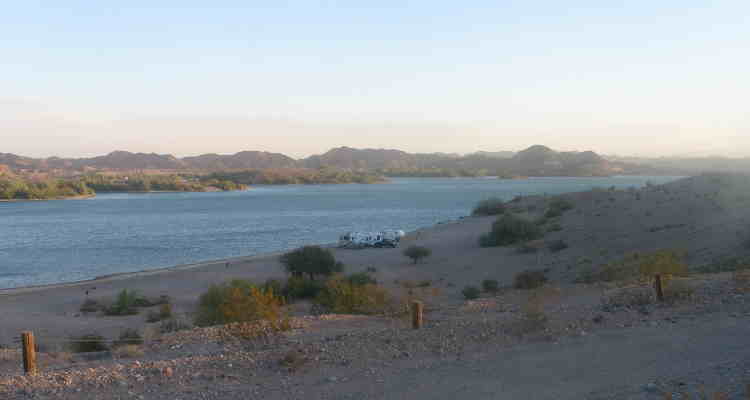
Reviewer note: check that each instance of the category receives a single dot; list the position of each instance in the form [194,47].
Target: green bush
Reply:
[557,207]
[173,325]
[343,297]
[311,261]
[417,253]
[165,312]
[491,206]
[508,230]
[471,292]
[490,285]
[125,304]
[530,279]
[128,337]
[361,278]
[301,288]
[88,344]
[238,301]
[275,286]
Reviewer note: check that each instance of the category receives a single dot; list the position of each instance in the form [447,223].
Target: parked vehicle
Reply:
[389,238]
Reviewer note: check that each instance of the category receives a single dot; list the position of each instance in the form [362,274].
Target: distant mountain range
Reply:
[535,161]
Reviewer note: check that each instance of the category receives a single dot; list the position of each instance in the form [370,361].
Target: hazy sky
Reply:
[648,77]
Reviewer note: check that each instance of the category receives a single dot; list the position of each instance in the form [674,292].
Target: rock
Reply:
[168,372]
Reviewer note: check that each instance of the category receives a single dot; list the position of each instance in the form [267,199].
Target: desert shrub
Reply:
[88,343]
[552,213]
[638,268]
[557,245]
[678,290]
[471,292]
[343,297]
[293,360]
[510,229]
[490,285]
[165,312]
[274,286]
[90,306]
[491,206]
[424,284]
[125,304]
[311,261]
[361,278]
[301,288]
[530,279]
[128,337]
[417,253]
[557,207]
[173,325]
[238,301]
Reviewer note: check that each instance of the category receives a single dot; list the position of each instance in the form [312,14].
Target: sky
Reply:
[642,77]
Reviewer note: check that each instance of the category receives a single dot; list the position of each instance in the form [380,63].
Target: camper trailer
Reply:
[358,240]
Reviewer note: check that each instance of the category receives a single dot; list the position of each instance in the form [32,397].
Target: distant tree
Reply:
[311,261]
[417,253]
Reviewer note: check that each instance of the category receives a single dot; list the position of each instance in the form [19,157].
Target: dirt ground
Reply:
[586,347]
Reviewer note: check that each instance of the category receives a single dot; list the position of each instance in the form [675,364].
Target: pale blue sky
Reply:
[187,77]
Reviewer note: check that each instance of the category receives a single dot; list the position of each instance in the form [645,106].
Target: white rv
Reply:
[389,238]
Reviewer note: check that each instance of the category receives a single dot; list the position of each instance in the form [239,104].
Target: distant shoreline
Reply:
[84,197]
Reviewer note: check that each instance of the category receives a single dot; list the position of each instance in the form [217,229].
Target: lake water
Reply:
[63,241]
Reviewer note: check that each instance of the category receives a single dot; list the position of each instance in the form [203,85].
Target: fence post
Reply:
[29,353]
[659,286]
[417,310]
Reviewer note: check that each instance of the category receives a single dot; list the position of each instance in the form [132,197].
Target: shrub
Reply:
[165,312]
[491,206]
[361,278]
[128,337]
[343,297]
[125,304]
[88,343]
[557,245]
[471,292]
[417,253]
[274,286]
[424,284]
[678,290]
[490,285]
[90,306]
[530,279]
[173,325]
[301,288]
[237,301]
[554,228]
[311,261]
[663,262]
[510,229]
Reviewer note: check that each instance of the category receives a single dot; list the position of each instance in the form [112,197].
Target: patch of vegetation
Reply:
[557,207]
[125,304]
[471,292]
[554,228]
[88,343]
[15,188]
[424,284]
[530,279]
[165,312]
[490,286]
[637,267]
[361,278]
[417,253]
[343,297]
[508,230]
[311,261]
[300,288]
[491,206]
[726,265]
[557,245]
[173,325]
[238,301]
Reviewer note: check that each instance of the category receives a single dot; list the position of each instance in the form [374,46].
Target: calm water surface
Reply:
[63,241]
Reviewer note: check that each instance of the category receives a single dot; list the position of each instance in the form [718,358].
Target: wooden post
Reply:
[659,287]
[417,310]
[29,353]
